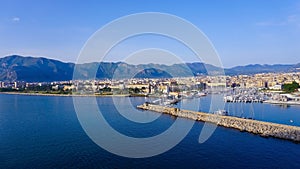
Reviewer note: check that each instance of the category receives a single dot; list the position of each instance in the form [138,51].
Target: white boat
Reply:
[201,94]
[221,112]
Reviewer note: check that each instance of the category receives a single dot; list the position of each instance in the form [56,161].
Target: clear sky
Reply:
[243,32]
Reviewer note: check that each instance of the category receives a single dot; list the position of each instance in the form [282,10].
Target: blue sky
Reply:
[243,32]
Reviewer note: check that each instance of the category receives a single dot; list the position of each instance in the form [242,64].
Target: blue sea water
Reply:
[44,132]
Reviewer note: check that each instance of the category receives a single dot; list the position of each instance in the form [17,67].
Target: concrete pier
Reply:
[265,129]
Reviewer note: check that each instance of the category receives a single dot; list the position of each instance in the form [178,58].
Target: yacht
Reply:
[221,112]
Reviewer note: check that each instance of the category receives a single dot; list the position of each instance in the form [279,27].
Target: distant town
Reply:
[263,87]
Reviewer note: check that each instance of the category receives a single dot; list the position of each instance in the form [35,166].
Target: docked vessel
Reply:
[221,112]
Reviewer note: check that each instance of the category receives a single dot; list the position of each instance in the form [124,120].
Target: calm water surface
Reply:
[43,132]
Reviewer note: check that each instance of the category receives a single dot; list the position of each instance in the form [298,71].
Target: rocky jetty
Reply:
[265,129]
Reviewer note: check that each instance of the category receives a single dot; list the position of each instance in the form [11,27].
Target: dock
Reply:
[264,129]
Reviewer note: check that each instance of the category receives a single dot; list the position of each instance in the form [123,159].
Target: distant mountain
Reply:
[33,69]
[121,70]
[253,69]
[152,73]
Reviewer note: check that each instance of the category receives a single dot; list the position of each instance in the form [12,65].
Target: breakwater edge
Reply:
[264,129]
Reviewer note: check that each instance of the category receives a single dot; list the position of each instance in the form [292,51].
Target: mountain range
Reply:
[39,69]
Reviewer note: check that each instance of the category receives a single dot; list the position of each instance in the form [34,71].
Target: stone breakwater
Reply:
[265,129]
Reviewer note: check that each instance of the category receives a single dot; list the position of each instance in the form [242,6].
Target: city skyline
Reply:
[243,33]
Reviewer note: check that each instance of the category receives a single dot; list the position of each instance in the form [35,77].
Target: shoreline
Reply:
[125,95]
[76,95]
[62,95]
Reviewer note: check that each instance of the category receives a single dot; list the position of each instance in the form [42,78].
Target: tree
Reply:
[137,90]
[289,88]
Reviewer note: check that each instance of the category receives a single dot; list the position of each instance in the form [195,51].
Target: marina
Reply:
[245,95]
[254,95]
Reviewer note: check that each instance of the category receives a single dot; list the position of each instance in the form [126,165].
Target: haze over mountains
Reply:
[33,69]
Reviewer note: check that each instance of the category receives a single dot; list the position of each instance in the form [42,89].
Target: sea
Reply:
[45,132]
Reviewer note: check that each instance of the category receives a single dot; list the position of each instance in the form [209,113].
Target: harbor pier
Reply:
[264,129]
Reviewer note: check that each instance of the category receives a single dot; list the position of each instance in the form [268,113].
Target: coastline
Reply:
[62,95]
[78,95]
[124,95]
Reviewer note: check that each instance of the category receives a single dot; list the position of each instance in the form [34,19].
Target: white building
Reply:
[276,87]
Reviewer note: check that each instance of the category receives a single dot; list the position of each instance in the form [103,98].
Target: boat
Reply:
[221,112]
[187,96]
[201,94]
[170,101]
